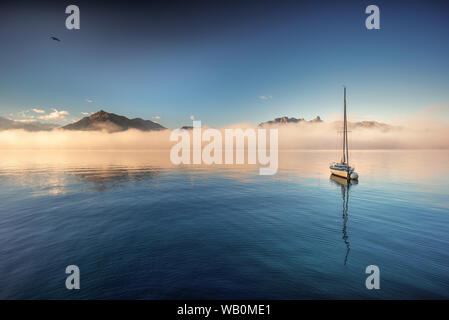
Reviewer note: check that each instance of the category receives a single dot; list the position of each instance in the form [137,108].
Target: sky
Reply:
[223,62]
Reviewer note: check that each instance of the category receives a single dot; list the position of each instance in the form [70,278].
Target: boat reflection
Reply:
[345,185]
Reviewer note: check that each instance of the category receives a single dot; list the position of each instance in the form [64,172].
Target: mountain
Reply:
[112,123]
[28,125]
[370,125]
[337,124]
[365,125]
[286,120]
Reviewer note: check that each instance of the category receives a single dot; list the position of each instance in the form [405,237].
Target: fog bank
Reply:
[414,135]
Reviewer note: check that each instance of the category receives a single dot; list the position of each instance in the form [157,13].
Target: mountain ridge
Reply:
[112,122]
[29,125]
[286,120]
[282,121]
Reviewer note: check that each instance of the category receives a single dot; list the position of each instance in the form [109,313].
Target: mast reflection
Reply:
[345,185]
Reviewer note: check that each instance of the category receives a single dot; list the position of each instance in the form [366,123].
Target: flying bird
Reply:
[54,38]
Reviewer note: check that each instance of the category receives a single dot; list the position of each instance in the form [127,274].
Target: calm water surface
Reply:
[138,227]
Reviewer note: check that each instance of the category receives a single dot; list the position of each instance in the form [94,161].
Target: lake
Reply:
[139,227]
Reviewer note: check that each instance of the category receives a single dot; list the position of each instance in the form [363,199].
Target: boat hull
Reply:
[340,173]
[344,173]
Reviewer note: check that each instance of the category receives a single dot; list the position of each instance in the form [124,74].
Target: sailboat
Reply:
[342,168]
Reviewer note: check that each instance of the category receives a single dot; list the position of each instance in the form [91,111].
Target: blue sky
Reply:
[216,59]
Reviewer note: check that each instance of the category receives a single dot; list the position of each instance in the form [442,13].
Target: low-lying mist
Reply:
[413,135]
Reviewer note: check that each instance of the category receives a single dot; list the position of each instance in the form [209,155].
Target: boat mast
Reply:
[344,129]
[346,133]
